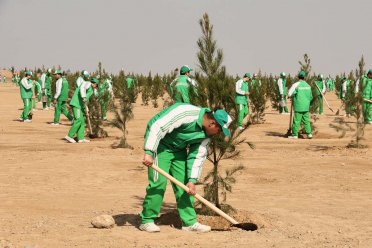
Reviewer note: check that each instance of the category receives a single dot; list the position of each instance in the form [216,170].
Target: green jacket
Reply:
[367,88]
[282,85]
[241,89]
[345,88]
[302,95]
[321,86]
[103,87]
[16,80]
[26,88]
[61,89]
[36,87]
[84,91]
[180,89]
[179,129]
[130,82]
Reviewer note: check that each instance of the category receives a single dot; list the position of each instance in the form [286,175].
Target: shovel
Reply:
[289,131]
[244,226]
[325,99]
[88,121]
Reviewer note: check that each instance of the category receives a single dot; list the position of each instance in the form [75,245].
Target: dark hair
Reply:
[209,115]
[301,77]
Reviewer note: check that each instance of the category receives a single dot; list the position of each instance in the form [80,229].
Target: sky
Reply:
[160,35]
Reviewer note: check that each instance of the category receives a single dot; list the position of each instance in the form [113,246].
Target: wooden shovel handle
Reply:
[197,196]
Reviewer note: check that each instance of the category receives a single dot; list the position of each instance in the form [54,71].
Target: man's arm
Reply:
[25,84]
[292,90]
[58,88]
[195,159]
[280,85]
[238,88]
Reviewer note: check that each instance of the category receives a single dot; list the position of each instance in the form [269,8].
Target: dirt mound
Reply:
[216,222]
[6,73]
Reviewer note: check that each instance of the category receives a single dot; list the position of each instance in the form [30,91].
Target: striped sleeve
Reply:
[293,89]
[280,85]
[166,123]
[195,160]
[238,87]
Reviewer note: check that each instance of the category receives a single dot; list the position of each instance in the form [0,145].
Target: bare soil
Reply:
[300,193]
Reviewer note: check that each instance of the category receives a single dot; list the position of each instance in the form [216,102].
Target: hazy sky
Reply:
[160,35]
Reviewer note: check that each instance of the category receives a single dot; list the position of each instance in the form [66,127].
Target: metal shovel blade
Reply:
[246,226]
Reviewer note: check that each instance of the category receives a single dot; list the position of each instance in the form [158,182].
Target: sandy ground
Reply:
[301,193]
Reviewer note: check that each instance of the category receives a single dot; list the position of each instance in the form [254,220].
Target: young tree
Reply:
[216,90]
[257,98]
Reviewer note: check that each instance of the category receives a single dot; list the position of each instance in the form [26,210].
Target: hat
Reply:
[302,74]
[369,71]
[224,120]
[282,74]
[94,80]
[28,73]
[85,73]
[57,72]
[320,76]
[185,69]
[247,75]
[49,70]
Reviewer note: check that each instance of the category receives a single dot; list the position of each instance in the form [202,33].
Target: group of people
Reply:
[85,87]
[176,139]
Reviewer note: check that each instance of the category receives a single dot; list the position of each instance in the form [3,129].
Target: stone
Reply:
[103,221]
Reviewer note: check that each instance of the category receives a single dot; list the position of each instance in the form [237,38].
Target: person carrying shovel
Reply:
[79,104]
[282,85]
[242,98]
[301,95]
[176,140]
[320,92]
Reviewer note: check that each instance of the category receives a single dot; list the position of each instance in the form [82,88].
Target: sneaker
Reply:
[54,124]
[149,227]
[20,119]
[309,136]
[27,120]
[197,227]
[285,113]
[84,141]
[240,128]
[69,139]
[292,137]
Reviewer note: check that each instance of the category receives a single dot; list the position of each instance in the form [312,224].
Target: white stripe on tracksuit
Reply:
[157,131]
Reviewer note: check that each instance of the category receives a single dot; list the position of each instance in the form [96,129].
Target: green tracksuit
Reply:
[130,82]
[180,89]
[61,98]
[16,80]
[344,95]
[178,144]
[35,87]
[241,100]
[367,95]
[321,85]
[103,91]
[78,109]
[282,85]
[330,84]
[301,95]
[46,86]
[26,95]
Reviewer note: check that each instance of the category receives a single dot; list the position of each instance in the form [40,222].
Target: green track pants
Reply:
[175,164]
[243,112]
[26,108]
[48,93]
[367,112]
[103,110]
[297,119]
[319,105]
[33,103]
[61,107]
[78,127]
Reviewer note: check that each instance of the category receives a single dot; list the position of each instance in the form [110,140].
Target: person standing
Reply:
[26,95]
[16,79]
[282,85]
[301,95]
[367,98]
[242,98]
[60,98]
[79,103]
[36,92]
[176,140]
[84,77]
[180,86]
[330,84]
[46,88]
[104,92]
[320,89]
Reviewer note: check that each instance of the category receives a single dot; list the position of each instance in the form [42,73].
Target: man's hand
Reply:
[281,97]
[148,160]
[192,188]
[84,99]
[54,101]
